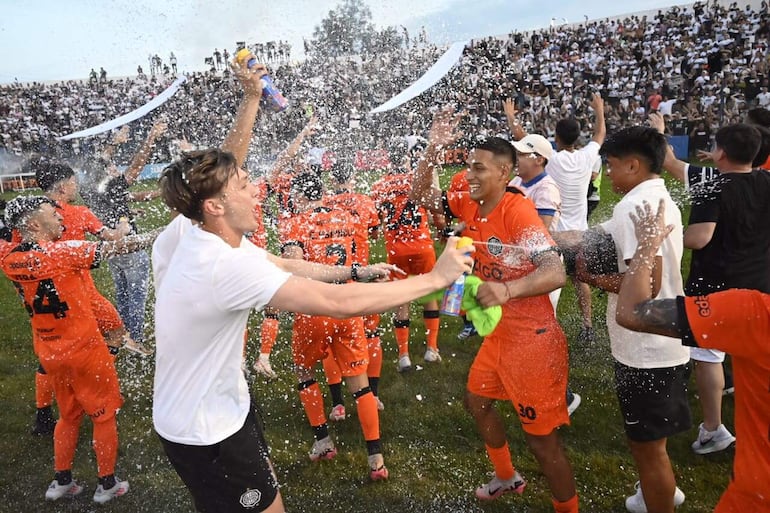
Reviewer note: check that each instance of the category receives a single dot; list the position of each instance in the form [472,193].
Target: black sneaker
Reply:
[467,332]
[44,422]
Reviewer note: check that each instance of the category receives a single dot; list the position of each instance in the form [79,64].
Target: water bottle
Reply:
[452,302]
[271,96]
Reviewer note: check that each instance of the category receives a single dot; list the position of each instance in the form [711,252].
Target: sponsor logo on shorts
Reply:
[494,246]
[704,307]
[250,498]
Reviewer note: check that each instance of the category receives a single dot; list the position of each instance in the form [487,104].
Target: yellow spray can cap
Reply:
[242,54]
[464,242]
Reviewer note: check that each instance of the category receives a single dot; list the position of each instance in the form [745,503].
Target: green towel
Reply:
[484,319]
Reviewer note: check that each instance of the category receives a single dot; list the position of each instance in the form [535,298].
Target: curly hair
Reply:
[195,177]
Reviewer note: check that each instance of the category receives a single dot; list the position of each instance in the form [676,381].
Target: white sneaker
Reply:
[262,366]
[101,495]
[56,491]
[323,449]
[497,487]
[635,503]
[573,404]
[404,363]
[338,413]
[712,441]
[432,356]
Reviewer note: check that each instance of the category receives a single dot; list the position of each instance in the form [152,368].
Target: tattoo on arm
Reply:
[659,316]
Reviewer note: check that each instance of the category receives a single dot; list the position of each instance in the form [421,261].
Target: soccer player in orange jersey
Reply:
[409,245]
[318,233]
[366,224]
[519,263]
[736,321]
[50,278]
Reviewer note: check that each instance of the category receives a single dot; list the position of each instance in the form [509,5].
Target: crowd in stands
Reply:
[702,66]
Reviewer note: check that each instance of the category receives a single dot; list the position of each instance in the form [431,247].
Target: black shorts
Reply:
[653,401]
[233,475]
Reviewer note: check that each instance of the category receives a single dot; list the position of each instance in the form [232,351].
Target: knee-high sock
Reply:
[106,445]
[313,402]
[368,416]
[402,336]
[268,333]
[43,389]
[430,317]
[569,506]
[65,440]
[501,461]
[375,357]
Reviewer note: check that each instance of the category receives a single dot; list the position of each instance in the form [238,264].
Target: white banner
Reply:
[131,116]
[429,78]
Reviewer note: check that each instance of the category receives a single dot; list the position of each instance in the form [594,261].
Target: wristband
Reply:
[354,271]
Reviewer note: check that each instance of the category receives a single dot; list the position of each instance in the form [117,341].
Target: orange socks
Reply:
[570,506]
[401,327]
[106,446]
[268,333]
[501,461]
[368,416]
[313,402]
[430,317]
[43,389]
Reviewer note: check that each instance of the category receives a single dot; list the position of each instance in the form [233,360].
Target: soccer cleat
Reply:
[467,332]
[404,363]
[338,413]
[44,422]
[635,503]
[262,366]
[56,491]
[101,495]
[380,404]
[712,441]
[573,401]
[377,469]
[323,449]
[432,355]
[497,487]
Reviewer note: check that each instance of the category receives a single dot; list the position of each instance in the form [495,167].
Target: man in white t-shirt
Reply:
[571,169]
[202,411]
[651,372]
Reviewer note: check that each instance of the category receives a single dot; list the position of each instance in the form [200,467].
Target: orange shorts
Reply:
[414,263]
[371,324]
[528,368]
[314,337]
[87,381]
[737,501]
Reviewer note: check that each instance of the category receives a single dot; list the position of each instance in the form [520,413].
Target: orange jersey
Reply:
[325,235]
[50,280]
[364,212]
[77,220]
[406,223]
[459,182]
[738,322]
[508,240]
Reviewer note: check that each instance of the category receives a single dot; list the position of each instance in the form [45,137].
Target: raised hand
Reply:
[655,119]
[650,227]
[443,131]
[250,78]
[510,110]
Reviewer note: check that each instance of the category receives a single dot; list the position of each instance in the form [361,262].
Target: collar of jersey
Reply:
[534,180]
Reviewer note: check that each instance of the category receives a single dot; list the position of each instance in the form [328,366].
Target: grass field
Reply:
[435,457]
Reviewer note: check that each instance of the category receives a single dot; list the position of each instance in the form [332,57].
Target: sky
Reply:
[60,40]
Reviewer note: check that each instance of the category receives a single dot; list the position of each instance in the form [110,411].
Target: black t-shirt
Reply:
[738,255]
[112,204]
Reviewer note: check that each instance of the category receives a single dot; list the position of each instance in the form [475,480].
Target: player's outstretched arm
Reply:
[353,299]
[636,309]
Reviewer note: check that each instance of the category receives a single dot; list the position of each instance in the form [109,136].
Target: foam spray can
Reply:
[451,304]
[271,96]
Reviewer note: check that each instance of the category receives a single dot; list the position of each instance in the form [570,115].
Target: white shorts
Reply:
[700,354]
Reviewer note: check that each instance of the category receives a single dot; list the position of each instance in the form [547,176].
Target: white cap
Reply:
[534,143]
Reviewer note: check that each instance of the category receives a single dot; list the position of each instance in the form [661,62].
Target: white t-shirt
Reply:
[631,348]
[571,170]
[164,246]
[202,306]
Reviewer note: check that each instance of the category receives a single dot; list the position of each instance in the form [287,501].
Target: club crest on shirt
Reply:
[494,246]
[250,498]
